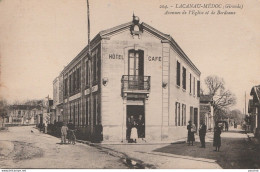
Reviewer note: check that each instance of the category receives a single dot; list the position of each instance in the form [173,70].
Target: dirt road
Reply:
[26,147]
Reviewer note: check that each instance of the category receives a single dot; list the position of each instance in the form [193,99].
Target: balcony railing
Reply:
[135,82]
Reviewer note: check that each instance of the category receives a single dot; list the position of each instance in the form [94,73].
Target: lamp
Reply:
[105,81]
[164,84]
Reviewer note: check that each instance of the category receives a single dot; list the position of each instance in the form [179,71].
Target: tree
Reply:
[223,99]
[3,109]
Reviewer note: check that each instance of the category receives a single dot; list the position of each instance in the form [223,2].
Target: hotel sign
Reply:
[116,56]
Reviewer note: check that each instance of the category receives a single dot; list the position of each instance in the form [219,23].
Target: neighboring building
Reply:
[136,71]
[254,110]
[207,111]
[58,98]
[23,114]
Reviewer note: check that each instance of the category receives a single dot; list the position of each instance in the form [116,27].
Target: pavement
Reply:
[237,151]
[22,148]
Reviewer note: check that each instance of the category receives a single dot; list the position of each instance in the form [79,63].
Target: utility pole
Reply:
[245,103]
[90,71]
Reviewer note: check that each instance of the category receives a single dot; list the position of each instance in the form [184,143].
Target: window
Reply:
[79,116]
[190,82]
[66,87]
[184,78]
[87,111]
[183,114]
[70,84]
[178,73]
[94,61]
[194,80]
[94,110]
[198,88]
[191,113]
[178,117]
[87,73]
[179,114]
[176,112]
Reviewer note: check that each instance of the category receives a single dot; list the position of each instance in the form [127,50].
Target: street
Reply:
[26,147]
[21,148]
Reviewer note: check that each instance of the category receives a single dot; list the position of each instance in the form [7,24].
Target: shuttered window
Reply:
[178,74]
[184,78]
[198,88]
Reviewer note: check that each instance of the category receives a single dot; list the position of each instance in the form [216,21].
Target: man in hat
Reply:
[202,133]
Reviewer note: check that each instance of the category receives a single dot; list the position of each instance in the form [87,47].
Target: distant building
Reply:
[207,111]
[254,110]
[58,98]
[136,71]
[23,114]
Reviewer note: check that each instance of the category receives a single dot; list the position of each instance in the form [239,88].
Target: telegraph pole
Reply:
[90,71]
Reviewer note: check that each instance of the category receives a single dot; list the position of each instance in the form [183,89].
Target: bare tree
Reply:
[222,99]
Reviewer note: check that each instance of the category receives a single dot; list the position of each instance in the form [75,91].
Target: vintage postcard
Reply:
[164,84]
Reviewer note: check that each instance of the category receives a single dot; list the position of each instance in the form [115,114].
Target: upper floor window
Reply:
[184,78]
[190,82]
[198,88]
[178,81]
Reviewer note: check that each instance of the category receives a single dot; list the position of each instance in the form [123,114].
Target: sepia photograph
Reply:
[130,84]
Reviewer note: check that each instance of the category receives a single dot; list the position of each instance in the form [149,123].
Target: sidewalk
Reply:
[144,155]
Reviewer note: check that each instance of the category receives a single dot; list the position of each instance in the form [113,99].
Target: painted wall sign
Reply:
[116,56]
[152,58]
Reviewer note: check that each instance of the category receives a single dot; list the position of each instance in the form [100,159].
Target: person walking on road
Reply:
[202,134]
[191,130]
[64,131]
[217,138]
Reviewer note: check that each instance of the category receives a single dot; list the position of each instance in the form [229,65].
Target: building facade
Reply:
[254,110]
[58,98]
[207,111]
[136,71]
[23,114]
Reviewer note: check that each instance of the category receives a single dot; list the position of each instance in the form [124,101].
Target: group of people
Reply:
[202,133]
[67,132]
[135,128]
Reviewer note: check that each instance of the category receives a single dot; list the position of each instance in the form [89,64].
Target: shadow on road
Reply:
[234,153]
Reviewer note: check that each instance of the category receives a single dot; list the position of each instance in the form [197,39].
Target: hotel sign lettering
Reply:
[116,56]
[153,58]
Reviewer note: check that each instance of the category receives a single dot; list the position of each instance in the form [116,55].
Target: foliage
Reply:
[223,98]
[3,108]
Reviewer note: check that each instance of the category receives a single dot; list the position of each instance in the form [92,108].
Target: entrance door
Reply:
[135,117]
[136,69]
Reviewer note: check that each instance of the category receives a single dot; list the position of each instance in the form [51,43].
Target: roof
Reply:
[255,92]
[116,29]
[206,98]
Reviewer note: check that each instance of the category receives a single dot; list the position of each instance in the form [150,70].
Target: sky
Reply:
[39,38]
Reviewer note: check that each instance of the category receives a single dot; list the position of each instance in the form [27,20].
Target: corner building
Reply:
[136,70]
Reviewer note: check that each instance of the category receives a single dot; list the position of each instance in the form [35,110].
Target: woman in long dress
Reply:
[191,137]
[134,135]
[217,138]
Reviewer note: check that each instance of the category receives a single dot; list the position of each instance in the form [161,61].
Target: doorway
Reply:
[135,117]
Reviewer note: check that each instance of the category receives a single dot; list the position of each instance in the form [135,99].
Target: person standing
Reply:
[191,131]
[64,131]
[134,135]
[217,138]
[71,129]
[128,129]
[140,127]
[202,134]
